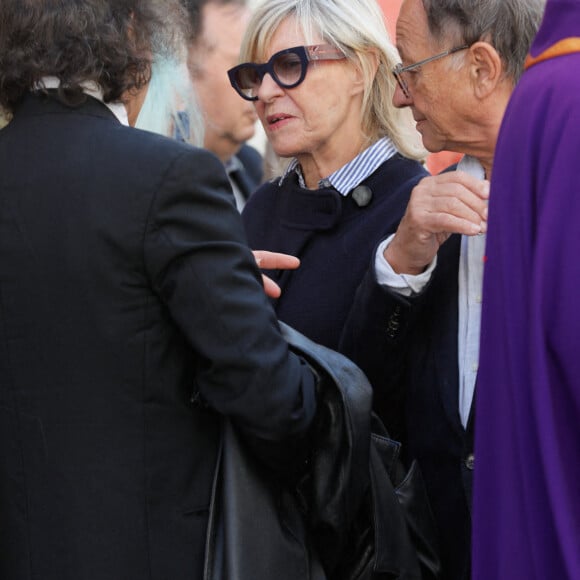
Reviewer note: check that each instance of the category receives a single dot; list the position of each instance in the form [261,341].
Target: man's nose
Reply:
[400,99]
[247,107]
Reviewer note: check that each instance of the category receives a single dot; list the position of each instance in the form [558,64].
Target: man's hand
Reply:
[274,261]
[441,205]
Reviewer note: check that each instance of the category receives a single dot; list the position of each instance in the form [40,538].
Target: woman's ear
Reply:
[368,64]
[487,69]
[373,59]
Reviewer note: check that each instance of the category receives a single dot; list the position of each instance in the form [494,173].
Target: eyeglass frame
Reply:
[306,54]
[399,69]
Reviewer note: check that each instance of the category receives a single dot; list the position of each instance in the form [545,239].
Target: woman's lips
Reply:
[277,119]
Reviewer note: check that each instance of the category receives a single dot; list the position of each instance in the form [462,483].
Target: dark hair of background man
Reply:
[194,8]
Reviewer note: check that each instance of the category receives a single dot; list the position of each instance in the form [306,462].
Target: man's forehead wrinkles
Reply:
[404,45]
[408,31]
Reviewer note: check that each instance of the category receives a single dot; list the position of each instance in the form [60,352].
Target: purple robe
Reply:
[527,479]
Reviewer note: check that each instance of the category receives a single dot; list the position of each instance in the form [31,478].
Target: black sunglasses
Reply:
[287,68]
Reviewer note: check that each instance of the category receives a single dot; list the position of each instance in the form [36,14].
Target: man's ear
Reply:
[133,101]
[487,69]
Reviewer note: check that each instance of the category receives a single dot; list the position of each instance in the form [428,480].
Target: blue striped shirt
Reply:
[345,179]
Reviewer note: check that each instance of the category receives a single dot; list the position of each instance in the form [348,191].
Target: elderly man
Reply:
[460,62]
[132,314]
[217,30]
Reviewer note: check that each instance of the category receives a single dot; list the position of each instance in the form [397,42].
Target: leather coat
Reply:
[355,514]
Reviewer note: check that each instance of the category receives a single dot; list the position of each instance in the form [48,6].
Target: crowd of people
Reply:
[148,261]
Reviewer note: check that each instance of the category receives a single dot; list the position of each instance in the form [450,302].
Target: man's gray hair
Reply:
[508,25]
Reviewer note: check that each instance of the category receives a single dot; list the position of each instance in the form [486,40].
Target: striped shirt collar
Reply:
[345,179]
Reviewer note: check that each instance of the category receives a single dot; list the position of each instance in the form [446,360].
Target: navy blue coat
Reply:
[408,349]
[334,238]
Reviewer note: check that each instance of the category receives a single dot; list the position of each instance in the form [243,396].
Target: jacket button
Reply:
[470,462]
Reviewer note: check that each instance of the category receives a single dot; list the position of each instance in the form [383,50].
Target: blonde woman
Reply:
[319,75]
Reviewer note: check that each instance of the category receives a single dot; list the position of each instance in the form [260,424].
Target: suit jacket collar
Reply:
[47,102]
[237,173]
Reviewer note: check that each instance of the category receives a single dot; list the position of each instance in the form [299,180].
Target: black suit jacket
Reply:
[251,174]
[408,349]
[131,314]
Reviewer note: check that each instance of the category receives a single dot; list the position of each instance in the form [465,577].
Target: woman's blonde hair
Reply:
[357,27]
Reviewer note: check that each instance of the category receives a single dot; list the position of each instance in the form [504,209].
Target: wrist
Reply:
[400,263]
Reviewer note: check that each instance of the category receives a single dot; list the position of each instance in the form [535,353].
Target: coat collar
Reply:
[47,102]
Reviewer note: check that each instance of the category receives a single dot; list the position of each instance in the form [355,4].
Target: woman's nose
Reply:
[269,89]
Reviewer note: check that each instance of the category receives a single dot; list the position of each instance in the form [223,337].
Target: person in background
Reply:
[319,76]
[132,313]
[414,326]
[217,28]
[527,490]
[168,105]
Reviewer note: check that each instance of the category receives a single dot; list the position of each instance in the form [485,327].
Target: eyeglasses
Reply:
[287,68]
[400,70]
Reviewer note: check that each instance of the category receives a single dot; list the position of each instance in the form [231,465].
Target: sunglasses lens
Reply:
[247,80]
[287,68]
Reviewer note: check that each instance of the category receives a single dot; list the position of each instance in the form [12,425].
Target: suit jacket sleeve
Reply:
[201,267]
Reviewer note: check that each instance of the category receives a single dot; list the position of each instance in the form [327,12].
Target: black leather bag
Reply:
[256,531]
[356,514]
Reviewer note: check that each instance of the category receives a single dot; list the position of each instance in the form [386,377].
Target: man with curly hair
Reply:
[132,313]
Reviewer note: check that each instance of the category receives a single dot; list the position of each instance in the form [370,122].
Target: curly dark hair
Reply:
[108,42]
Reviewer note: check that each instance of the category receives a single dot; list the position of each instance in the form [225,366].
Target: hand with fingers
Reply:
[274,261]
[440,205]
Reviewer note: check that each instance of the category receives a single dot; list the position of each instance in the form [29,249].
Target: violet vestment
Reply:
[527,481]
